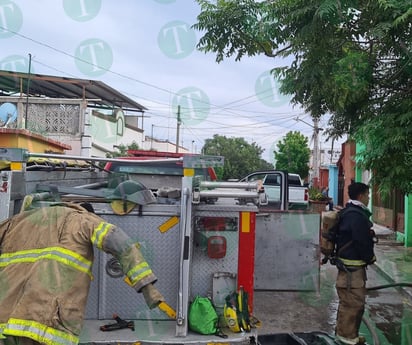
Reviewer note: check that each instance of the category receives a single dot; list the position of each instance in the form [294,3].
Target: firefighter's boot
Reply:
[152,296]
[356,341]
[361,341]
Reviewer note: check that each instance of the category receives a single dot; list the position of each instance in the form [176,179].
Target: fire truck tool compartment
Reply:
[194,248]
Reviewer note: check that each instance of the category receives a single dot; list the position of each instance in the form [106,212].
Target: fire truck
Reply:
[206,238]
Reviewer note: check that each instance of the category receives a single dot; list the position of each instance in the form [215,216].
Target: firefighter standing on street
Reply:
[46,257]
[355,251]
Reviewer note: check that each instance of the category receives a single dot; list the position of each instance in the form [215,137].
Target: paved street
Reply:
[389,310]
[297,311]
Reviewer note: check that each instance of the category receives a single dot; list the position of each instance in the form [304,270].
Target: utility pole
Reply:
[316,151]
[178,128]
[143,116]
[27,94]
[151,139]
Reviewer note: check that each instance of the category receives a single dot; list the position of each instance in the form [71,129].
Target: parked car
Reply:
[298,192]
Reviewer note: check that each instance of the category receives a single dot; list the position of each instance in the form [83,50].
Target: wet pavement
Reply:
[388,315]
[389,306]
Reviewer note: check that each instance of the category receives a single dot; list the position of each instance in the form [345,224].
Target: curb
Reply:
[386,273]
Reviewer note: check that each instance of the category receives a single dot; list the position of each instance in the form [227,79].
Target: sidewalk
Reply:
[393,260]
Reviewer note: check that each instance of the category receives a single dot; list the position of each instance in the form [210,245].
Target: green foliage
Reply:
[241,157]
[236,28]
[351,59]
[293,154]
[388,139]
[121,150]
[133,146]
[316,194]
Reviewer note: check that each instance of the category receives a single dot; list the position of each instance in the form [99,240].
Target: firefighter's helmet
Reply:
[128,194]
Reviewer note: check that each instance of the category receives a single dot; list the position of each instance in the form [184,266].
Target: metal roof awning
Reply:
[96,92]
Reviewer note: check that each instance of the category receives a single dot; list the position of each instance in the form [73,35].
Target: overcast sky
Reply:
[146,50]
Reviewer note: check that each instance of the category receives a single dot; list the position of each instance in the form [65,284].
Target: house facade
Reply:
[87,115]
[394,211]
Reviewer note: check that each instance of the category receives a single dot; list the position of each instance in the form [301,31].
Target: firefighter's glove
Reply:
[27,202]
[373,236]
[372,261]
[152,296]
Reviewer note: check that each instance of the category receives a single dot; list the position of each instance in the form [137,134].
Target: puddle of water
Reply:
[388,323]
[392,333]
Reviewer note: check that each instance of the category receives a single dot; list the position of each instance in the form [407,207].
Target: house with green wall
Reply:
[395,212]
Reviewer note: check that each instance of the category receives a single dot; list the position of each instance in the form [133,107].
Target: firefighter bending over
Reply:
[46,257]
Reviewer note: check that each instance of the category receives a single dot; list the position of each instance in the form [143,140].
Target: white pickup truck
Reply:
[298,193]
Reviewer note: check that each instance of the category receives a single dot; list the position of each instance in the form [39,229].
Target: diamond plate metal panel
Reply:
[287,251]
[203,267]
[161,250]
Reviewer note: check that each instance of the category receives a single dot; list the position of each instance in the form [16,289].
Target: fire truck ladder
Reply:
[186,233]
[244,192]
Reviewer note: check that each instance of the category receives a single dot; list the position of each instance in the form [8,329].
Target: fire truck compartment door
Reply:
[287,251]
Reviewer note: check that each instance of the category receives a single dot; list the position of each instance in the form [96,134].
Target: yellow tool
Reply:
[243,309]
[167,309]
[163,306]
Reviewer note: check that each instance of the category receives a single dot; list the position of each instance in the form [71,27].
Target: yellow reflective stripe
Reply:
[138,272]
[62,255]
[39,332]
[100,233]
[349,262]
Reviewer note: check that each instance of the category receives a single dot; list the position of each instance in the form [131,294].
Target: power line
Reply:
[280,119]
[224,107]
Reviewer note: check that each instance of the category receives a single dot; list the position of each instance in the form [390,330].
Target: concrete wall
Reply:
[111,130]
[87,131]
[22,138]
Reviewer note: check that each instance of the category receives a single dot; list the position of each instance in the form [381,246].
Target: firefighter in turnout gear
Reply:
[355,251]
[46,257]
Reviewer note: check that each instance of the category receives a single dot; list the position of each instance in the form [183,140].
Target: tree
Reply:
[240,157]
[351,59]
[293,154]
[121,150]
